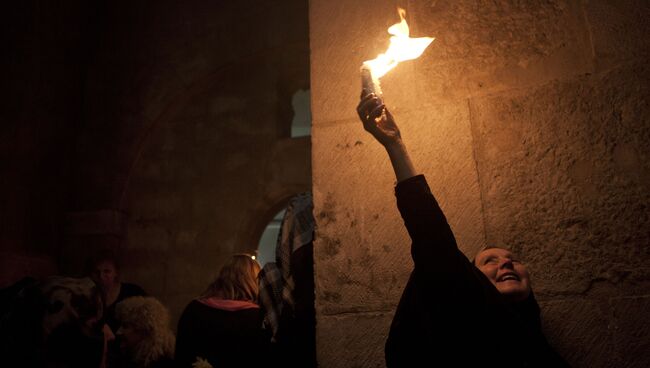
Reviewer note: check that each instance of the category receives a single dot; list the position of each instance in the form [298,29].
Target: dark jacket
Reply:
[225,338]
[127,290]
[450,314]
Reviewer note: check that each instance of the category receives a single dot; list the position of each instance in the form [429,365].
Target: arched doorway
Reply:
[269,239]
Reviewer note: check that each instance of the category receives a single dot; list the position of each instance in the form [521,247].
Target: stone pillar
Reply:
[529,121]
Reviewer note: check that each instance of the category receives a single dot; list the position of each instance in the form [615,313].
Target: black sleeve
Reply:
[128,290]
[433,240]
[184,352]
[441,269]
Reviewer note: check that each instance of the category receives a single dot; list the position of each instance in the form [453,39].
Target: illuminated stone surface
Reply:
[339,347]
[564,174]
[530,120]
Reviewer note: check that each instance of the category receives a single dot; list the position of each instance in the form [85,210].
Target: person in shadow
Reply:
[54,322]
[103,269]
[144,336]
[287,287]
[224,325]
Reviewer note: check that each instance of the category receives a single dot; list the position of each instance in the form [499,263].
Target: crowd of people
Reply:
[101,321]
[246,317]
[452,309]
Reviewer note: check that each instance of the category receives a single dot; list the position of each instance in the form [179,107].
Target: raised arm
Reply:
[379,122]
[431,235]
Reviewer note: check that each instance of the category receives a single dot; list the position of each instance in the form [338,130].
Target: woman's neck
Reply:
[110,296]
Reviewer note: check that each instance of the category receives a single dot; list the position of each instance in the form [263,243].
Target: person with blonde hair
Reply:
[224,325]
[144,335]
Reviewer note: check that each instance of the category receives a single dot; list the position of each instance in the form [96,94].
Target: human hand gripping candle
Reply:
[401,48]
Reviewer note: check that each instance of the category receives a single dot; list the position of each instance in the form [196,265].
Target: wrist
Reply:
[395,146]
[399,158]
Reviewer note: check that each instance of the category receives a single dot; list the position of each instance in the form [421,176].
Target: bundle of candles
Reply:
[401,48]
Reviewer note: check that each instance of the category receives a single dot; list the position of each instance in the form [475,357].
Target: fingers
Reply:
[388,114]
[367,98]
[376,112]
[373,120]
[368,105]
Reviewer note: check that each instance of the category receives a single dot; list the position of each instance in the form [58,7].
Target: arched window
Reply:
[301,122]
[269,239]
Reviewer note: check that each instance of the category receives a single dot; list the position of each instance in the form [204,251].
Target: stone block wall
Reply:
[212,161]
[158,129]
[531,122]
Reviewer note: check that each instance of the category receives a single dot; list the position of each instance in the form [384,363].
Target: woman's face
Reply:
[129,337]
[105,275]
[506,273]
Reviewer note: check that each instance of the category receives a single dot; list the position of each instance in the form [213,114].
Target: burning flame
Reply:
[401,48]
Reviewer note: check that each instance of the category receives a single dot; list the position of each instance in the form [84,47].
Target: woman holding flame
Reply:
[452,310]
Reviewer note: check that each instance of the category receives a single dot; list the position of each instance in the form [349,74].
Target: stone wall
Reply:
[43,47]
[159,129]
[531,122]
[203,99]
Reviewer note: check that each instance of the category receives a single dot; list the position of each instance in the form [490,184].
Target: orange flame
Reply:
[401,48]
